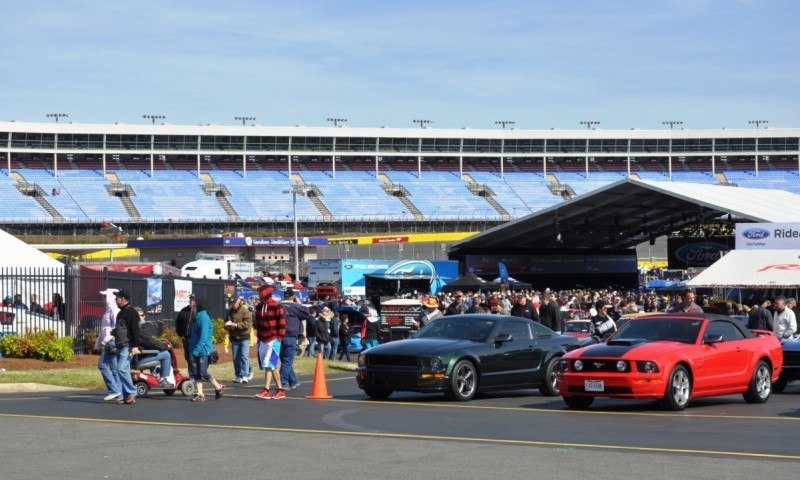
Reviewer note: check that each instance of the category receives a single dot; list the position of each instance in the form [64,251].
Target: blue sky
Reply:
[543,64]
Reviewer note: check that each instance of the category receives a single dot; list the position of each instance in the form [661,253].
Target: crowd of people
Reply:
[54,308]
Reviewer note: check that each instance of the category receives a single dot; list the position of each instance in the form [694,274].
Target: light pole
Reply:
[671,123]
[589,123]
[153,118]
[422,123]
[244,119]
[336,121]
[758,123]
[503,123]
[56,116]
[294,191]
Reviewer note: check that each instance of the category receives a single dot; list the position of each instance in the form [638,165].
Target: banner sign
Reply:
[768,236]
[183,289]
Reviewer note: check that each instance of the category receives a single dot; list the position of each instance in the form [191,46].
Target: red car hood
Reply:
[641,350]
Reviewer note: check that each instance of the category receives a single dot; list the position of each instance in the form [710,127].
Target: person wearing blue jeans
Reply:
[239,326]
[123,359]
[126,334]
[297,318]
[108,369]
[288,350]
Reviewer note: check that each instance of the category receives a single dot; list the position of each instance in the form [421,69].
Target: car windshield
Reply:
[581,327]
[460,328]
[655,329]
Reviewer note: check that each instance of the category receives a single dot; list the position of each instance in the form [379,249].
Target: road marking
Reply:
[409,436]
[547,410]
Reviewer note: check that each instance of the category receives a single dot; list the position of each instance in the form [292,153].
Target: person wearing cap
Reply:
[428,315]
[297,315]
[323,331]
[458,307]
[524,309]
[125,334]
[239,323]
[602,325]
[270,330]
[184,324]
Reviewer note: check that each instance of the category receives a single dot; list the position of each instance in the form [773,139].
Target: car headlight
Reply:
[648,366]
[362,360]
[563,366]
[622,366]
[437,364]
[578,365]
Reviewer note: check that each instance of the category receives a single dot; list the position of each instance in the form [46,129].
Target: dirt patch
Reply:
[17,364]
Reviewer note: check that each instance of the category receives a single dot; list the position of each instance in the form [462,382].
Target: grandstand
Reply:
[164,174]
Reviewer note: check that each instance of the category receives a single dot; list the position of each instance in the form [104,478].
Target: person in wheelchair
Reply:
[152,354]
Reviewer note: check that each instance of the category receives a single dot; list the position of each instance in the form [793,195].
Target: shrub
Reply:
[170,335]
[39,345]
[219,330]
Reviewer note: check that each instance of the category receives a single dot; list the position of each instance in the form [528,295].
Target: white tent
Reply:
[752,269]
[16,253]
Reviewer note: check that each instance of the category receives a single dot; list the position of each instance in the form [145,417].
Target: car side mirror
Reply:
[503,338]
[711,339]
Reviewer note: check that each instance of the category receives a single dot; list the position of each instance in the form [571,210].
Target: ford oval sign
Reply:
[700,254]
[755,233]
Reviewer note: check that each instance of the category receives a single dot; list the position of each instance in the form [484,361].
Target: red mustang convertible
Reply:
[673,358]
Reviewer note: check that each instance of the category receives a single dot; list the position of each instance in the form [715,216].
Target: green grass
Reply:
[89,377]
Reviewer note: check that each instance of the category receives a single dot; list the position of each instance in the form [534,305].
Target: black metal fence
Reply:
[68,300]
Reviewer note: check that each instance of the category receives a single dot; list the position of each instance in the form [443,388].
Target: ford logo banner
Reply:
[700,254]
[755,233]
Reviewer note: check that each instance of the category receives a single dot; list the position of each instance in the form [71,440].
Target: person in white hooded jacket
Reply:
[371,328]
[108,349]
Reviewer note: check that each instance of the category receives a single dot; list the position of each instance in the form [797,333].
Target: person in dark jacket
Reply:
[297,317]
[458,307]
[323,329]
[125,335]
[523,308]
[602,325]
[146,342]
[335,341]
[344,337]
[184,324]
[371,328]
[760,317]
[311,332]
[550,314]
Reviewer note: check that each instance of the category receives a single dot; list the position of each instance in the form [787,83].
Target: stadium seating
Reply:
[355,195]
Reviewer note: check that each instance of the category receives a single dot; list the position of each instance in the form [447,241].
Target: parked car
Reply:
[673,358]
[791,364]
[323,290]
[463,354]
[577,328]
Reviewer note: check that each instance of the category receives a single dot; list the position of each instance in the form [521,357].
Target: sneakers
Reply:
[245,379]
[264,395]
[164,382]
[111,396]
[199,398]
[239,380]
[128,400]
[249,376]
[279,394]
[218,393]
[294,387]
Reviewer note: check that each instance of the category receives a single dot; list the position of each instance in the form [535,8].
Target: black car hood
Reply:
[420,346]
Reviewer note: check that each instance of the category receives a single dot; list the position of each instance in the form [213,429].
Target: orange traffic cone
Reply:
[319,390]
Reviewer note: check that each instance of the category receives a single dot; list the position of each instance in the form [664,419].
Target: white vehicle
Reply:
[219,266]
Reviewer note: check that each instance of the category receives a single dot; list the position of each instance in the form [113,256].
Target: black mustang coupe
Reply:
[462,354]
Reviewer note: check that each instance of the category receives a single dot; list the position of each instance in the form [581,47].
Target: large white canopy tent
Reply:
[17,254]
[761,269]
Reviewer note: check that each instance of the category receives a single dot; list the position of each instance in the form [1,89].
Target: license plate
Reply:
[593,385]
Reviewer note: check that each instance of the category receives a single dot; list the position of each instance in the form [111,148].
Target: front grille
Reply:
[591,366]
[391,361]
[613,390]
[791,359]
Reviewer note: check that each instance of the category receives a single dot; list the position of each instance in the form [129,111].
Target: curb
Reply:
[33,388]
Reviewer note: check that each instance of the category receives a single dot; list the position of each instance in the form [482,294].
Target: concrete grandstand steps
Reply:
[313,197]
[487,194]
[721,178]
[635,175]
[399,192]
[220,193]
[16,176]
[206,178]
[112,177]
[37,193]
[124,193]
[383,178]
[468,178]
[552,179]
[298,179]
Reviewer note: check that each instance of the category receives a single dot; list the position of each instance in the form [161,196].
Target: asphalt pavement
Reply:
[513,435]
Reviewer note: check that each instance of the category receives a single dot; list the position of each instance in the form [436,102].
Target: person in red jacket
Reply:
[270,329]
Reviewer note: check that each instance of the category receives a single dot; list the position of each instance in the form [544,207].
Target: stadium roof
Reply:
[630,211]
